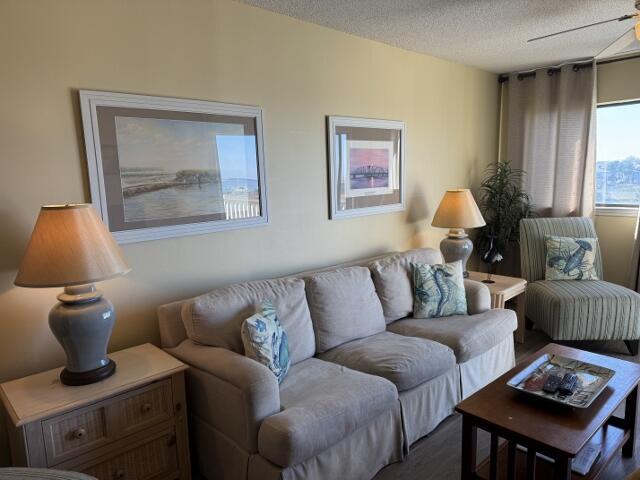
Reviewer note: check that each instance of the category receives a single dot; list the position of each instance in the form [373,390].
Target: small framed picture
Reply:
[165,167]
[366,166]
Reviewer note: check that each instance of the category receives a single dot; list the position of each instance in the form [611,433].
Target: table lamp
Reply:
[70,247]
[457,211]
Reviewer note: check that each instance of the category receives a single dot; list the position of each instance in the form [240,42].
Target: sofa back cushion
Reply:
[392,278]
[215,318]
[344,306]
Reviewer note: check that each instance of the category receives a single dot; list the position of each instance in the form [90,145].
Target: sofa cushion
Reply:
[468,335]
[344,306]
[405,361]
[589,310]
[215,318]
[322,403]
[265,340]
[570,258]
[392,278]
[438,290]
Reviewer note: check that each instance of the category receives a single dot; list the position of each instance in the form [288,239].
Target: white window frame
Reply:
[612,210]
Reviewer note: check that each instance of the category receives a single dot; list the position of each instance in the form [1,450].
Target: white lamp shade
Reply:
[458,209]
[70,245]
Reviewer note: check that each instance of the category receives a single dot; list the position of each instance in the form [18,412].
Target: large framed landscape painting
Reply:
[366,166]
[163,167]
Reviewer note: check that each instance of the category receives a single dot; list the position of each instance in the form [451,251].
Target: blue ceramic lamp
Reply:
[457,211]
[70,247]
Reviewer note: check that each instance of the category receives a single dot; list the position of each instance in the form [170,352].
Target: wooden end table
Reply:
[132,425]
[552,430]
[503,289]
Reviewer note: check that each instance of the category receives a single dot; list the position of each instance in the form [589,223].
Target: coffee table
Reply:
[542,427]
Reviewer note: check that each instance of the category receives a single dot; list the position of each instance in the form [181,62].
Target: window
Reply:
[618,156]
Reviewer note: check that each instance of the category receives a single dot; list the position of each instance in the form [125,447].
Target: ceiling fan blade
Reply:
[618,45]
[617,19]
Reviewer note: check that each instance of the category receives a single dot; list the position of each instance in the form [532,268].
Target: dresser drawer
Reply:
[149,459]
[145,406]
[74,433]
[82,430]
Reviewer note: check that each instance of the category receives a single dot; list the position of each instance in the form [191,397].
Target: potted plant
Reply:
[503,203]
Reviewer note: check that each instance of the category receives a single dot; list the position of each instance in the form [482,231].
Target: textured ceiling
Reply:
[489,34]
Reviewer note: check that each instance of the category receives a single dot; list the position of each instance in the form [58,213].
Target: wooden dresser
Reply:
[131,426]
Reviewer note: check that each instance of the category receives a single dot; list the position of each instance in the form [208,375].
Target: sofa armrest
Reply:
[229,391]
[478,296]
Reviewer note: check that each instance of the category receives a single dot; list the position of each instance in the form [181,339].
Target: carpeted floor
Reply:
[437,456]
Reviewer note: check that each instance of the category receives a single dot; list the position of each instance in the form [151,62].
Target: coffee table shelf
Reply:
[612,440]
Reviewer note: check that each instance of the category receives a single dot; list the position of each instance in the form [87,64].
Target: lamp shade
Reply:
[458,209]
[69,246]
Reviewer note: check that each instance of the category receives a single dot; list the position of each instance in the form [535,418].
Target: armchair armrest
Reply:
[478,296]
[229,391]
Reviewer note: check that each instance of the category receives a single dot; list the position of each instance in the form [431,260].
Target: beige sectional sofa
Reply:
[366,380]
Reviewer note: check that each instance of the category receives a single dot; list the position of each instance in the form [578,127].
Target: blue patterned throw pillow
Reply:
[438,290]
[570,258]
[265,340]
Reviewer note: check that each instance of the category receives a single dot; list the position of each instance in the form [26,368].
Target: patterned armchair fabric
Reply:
[574,309]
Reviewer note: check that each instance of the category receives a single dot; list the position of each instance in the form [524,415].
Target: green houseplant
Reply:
[503,203]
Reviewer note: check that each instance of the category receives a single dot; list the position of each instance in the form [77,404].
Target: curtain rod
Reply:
[503,77]
[550,71]
[620,59]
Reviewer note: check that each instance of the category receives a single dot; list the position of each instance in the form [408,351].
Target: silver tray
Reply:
[592,379]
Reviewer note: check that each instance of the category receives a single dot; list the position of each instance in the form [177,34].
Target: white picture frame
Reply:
[248,211]
[374,182]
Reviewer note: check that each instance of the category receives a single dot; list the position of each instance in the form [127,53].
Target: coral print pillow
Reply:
[265,340]
[571,258]
[438,290]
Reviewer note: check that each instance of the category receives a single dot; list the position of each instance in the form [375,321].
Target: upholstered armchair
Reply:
[575,309]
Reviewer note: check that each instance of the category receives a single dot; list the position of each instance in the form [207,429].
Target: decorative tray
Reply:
[592,379]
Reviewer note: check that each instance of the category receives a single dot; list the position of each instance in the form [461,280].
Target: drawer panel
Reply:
[150,459]
[149,405]
[83,430]
[76,432]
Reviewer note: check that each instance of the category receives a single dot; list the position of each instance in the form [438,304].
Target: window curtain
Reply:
[548,130]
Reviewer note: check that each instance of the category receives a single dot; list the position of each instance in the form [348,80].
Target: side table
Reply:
[506,288]
[132,425]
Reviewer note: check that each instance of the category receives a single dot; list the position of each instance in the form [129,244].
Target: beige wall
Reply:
[617,82]
[223,51]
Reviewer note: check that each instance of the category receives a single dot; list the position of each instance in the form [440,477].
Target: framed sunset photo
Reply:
[163,167]
[366,166]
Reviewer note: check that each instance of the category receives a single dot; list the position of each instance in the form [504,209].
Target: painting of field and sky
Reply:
[178,168]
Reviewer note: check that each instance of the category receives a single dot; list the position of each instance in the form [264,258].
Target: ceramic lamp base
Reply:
[82,322]
[457,246]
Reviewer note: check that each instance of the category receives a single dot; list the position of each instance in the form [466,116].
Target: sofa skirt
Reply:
[357,457]
[425,406]
[215,454]
[486,367]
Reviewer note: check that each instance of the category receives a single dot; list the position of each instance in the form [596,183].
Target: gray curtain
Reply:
[548,130]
